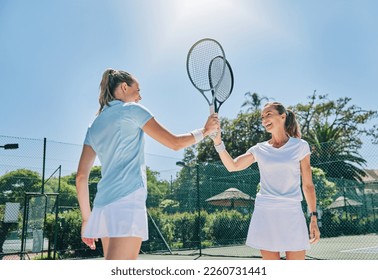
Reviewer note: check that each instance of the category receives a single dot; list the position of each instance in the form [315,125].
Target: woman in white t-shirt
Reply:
[278,223]
[116,136]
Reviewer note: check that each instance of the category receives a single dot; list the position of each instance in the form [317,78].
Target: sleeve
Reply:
[253,151]
[88,139]
[141,115]
[304,149]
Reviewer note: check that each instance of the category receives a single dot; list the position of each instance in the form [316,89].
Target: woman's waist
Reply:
[273,201]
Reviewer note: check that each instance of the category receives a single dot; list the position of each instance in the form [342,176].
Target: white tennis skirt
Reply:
[126,217]
[278,226]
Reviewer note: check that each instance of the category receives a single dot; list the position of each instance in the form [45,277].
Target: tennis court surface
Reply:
[335,248]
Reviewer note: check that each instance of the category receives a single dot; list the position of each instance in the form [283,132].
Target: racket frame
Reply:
[216,102]
[212,88]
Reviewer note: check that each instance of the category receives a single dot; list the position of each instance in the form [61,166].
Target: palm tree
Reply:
[337,158]
[334,129]
[254,101]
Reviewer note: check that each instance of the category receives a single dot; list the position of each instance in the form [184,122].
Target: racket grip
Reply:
[214,134]
[212,111]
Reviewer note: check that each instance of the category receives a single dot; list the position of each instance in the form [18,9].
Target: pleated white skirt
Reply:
[278,226]
[126,217]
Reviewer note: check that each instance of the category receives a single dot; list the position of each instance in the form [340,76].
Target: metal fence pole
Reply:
[43,166]
[199,211]
[57,214]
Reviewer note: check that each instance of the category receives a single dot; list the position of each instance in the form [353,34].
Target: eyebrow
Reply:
[266,112]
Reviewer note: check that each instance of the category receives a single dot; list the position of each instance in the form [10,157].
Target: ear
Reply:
[124,86]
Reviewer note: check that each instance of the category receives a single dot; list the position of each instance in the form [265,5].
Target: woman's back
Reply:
[118,140]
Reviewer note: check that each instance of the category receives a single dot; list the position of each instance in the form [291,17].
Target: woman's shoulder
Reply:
[133,105]
[300,144]
[299,141]
[136,107]
[259,145]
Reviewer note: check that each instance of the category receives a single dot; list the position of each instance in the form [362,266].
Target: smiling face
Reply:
[272,120]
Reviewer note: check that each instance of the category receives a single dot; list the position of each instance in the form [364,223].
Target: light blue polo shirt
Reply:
[117,137]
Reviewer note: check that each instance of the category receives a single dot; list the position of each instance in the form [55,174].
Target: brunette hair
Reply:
[291,125]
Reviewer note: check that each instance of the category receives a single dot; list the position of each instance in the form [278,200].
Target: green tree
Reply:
[14,184]
[238,134]
[334,129]
[254,101]
[94,178]
[68,195]
[157,189]
[185,191]
[325,189]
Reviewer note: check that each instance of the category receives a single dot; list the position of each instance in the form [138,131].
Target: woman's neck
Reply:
[277,141]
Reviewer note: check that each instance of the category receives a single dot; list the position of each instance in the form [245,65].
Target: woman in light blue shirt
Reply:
[116,137]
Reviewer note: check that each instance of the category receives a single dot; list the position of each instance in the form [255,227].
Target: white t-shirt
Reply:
[280,175]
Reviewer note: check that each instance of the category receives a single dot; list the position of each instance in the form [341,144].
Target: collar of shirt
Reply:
[113,103]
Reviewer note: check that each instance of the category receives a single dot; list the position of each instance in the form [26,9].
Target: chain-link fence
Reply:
[215,210]
[199,209]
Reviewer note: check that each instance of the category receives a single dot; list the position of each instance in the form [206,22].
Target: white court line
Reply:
[362,250]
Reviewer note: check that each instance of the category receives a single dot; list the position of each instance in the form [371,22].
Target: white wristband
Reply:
[198,135]
[220,148]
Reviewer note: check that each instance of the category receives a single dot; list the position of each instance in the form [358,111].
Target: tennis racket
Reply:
[223,91]
[199,59]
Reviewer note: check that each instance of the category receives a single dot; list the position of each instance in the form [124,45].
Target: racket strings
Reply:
[225,87]
[199,59]
[216,70]
[226,84]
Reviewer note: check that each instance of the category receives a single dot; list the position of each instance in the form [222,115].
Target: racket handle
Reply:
[212,111]
[214,134]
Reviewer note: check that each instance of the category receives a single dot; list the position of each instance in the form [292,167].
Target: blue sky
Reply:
[53,53]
